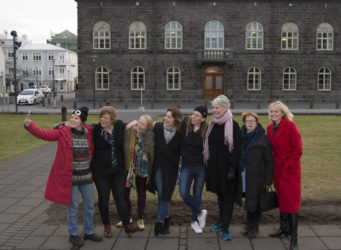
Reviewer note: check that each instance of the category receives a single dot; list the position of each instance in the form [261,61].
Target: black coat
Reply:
[259,169]
[221,161]
[166,156]
[101,160]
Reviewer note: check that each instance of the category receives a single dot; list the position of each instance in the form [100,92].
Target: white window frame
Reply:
[62,71]
[210,30]
[24,56]
[101,36]
[171,73]
[24,71]
[36,71]
[36,56]
[292,76]
[10,53]
[256,76]
[50,71]
[99,75]
[327,76]
[289,37]
[173,35]
[50,56]
[137,35]
[139,72]
[325,37]
[254,31]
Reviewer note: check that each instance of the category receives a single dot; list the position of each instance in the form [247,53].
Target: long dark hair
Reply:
[178,117]
[203,127]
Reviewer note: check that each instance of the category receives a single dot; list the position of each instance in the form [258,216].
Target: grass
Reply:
[321,160]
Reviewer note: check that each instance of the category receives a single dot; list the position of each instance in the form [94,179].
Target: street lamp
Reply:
[16,45]
[53,83]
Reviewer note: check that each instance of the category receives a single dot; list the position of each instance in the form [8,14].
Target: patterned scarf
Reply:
[228,132]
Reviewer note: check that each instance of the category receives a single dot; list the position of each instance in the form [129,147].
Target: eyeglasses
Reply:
[250,121]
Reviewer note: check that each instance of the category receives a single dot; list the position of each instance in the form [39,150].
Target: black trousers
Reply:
[226,203]
[115,182]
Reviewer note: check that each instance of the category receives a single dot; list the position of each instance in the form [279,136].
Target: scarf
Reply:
[168,133]
[228,132]
[247,140]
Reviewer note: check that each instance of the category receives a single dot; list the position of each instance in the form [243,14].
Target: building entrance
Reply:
[214,82]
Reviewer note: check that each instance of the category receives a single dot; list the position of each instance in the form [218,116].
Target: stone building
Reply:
[65,39]
[185,50]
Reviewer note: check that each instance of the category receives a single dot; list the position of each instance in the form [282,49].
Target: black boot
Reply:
[293,228]
[254,224]
[283,226]
[247,226]
[158,228]
[166,225]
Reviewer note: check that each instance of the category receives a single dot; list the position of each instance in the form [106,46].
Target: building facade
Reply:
[65,39]
[41,64]
[2,71]
[252,51]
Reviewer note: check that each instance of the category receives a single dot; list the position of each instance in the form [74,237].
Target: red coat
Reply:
[286,152]
[59,183]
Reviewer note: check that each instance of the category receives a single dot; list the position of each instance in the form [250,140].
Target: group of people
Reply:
[234,163]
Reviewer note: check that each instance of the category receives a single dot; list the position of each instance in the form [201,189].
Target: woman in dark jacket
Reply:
[222,154]
[256,167]
[167,138]
[108,167]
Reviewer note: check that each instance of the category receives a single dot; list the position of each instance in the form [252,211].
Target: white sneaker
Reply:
[196,228]
[202,218]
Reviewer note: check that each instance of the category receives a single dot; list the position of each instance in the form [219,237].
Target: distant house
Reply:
[252,51]
[65,39]
[2,71]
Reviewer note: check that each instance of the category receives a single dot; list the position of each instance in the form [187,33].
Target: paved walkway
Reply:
[23,215]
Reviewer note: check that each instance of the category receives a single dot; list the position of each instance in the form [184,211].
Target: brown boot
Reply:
[129,229]
[107,231]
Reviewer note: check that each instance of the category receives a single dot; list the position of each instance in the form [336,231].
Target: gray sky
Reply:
[37,18]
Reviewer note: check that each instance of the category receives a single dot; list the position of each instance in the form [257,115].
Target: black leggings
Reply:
[226,203]
[115,182]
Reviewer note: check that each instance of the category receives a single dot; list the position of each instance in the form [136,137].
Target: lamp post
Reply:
[141,108]
[53,83]
[16,45]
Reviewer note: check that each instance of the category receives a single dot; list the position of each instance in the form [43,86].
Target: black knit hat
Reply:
[202,110]
[82,112]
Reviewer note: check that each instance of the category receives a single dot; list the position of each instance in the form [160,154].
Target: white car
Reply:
[45,89]
[30,96]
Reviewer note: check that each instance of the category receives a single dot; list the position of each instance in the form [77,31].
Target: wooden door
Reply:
[213,85]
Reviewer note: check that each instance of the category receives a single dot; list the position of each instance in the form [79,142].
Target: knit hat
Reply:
[202,110]
[82,112]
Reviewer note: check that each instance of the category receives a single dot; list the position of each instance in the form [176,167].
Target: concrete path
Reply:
[23,216]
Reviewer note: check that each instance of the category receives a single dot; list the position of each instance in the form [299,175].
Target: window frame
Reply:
[290,28]
[325,28]
[101,33]
[254,74]
[36,56]
[173,74]
[251,30]
[36,69]
[289,79]
[138,73]
[137,33]
[169,38]
[208,46]
[24,57]
[101,73]
[324,79]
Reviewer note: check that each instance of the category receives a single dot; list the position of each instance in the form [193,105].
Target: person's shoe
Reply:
[196,227]
[129,229]
[120,223]
[76,241]
[226,235]
[140,224]
[158,228]
[92,237]
[166,225]
[107,231]
[283,226]
[202,218]
[216,227]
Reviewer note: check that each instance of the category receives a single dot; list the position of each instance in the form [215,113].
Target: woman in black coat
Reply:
[165,167]
[222,154]
[108,167]
[256,167]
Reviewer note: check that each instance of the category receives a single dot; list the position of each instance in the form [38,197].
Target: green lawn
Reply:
[321,160]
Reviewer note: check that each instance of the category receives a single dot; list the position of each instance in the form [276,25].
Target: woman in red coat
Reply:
[286,145]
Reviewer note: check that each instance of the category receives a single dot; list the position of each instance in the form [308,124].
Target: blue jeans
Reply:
[87,192]
[187,175]
[162,209]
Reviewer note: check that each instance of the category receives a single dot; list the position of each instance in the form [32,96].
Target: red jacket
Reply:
[286,152]
[59,183]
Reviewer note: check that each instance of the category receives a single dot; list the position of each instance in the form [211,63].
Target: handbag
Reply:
[268,199]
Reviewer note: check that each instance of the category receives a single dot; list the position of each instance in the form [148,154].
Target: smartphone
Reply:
[29,114]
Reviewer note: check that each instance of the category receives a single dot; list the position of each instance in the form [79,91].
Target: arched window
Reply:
[289,38]
[173,35]
[173,78]
[137,36]
[254,78]
[325,37]
[254,36]
[289,79]
[137,78]
[101,35]
[214,35]
[324,81]
[102,78]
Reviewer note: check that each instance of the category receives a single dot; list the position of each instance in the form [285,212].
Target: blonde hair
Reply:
[149,120]
[110,111]
[246,114]
[283,108]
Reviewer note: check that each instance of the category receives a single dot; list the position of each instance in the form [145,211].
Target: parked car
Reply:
[30,96]
[45,89]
